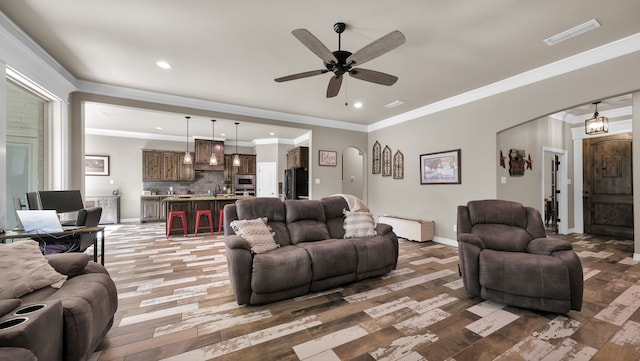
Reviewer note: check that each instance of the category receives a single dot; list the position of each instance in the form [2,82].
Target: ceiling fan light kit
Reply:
[341,61]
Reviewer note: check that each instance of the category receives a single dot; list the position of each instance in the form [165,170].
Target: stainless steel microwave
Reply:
[244,182]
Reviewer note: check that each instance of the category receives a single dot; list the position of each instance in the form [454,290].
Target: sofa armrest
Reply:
[471,239]
[236,242]
[69,264]
[547,246]
[383,228]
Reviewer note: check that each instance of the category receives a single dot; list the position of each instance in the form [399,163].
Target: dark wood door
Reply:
[608,190]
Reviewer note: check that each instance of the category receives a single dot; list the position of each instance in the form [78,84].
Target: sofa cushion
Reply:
[281,269]
[358,224]
[306,221]
[24,269]
[333,207]
[376,255]
[331,258]
[257,233]
[272,209]
[70,264]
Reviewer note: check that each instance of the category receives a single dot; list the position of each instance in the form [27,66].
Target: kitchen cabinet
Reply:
[247,166]
[165,166]
[203,153]
[152,209]
[298,157]
[110,208]
[151,166]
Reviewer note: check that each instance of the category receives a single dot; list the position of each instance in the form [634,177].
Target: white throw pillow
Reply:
[358,224]
[23,269]
[256,232]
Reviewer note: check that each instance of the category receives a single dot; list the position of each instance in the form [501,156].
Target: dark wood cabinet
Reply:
[247,166]
[152,209]
[298,157]
[151,166]
[165,166]
[203,154]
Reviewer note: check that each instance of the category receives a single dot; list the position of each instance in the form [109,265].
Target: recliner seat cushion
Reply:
[376,255]
[331,258]
[524,274]
[281,269]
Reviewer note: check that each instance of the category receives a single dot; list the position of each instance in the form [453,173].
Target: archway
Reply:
[353,172]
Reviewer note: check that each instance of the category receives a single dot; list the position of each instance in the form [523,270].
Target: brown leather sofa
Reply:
[313,254]
[60,324]
[506,257]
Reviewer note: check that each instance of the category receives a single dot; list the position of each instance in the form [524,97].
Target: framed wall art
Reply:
[440,167]
[328,158]
[386,162]
[96,165]
[377,154]
[398,165]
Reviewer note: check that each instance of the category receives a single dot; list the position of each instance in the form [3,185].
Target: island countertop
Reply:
[202,197]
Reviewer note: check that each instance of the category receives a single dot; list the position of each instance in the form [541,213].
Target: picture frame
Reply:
[440,167]
[327,158]
[96,165]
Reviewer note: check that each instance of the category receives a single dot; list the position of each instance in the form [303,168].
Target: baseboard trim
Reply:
[446,241]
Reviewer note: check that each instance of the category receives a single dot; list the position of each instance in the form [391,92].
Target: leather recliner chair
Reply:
[506,257]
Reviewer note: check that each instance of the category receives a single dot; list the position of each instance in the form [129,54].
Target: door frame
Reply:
[563,187]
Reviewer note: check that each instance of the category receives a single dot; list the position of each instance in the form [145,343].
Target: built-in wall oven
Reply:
[244,184]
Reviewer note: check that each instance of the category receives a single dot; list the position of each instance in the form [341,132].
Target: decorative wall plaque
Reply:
[386,162]
[398,165]
[376,158]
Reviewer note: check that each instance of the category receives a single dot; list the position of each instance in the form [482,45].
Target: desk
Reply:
[78,231]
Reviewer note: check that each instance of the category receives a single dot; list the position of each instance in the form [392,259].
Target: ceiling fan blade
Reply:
[334,86]
[373,76]
[315,45]
[381,46]
[306,74]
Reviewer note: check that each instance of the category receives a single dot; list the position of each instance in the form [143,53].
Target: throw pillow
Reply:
[24,269]
[358,224]
[257,233]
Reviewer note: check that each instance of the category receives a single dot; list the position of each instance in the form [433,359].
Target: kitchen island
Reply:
[191,204]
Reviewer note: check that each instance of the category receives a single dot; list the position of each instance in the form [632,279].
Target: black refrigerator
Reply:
[296,183]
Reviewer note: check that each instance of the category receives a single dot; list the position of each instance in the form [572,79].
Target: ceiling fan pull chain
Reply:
[346,92]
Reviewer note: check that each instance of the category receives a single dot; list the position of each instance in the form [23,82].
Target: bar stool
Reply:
[207,213]
[220,220]
[177,214]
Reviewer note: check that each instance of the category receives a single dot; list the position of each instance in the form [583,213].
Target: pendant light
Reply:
[596,125]
[187,156]
[213,160]
[236,157]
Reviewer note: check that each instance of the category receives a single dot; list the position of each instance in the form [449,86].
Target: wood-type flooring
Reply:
[176,303]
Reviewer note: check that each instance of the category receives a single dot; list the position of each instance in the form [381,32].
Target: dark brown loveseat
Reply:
[312,253]
[66,323]
[506,257]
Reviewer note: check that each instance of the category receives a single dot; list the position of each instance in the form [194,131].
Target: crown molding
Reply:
[612,50]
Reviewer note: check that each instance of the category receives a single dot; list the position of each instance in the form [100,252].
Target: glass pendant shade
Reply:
[597,124]
[187,156]
[213,160]
[236,157]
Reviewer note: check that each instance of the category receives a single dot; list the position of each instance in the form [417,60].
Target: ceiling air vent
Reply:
[573,32]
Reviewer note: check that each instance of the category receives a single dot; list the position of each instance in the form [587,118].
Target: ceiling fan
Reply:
[341,61]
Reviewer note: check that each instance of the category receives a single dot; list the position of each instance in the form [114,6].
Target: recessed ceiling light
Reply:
[394,104]
[357,105]
[163,64]
[272,133]
[573,32]
[158,128]
[223,134]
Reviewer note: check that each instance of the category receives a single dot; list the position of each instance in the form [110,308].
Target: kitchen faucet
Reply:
[218,189]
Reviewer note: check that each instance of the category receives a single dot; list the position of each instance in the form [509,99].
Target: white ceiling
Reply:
[231,51]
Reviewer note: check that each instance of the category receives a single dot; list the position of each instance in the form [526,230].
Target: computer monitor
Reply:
[61,201]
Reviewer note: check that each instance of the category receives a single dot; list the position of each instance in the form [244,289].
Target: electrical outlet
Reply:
[455,228]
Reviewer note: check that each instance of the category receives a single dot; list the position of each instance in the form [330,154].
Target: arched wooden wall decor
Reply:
[376,158]
[386,162]
[398,165]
